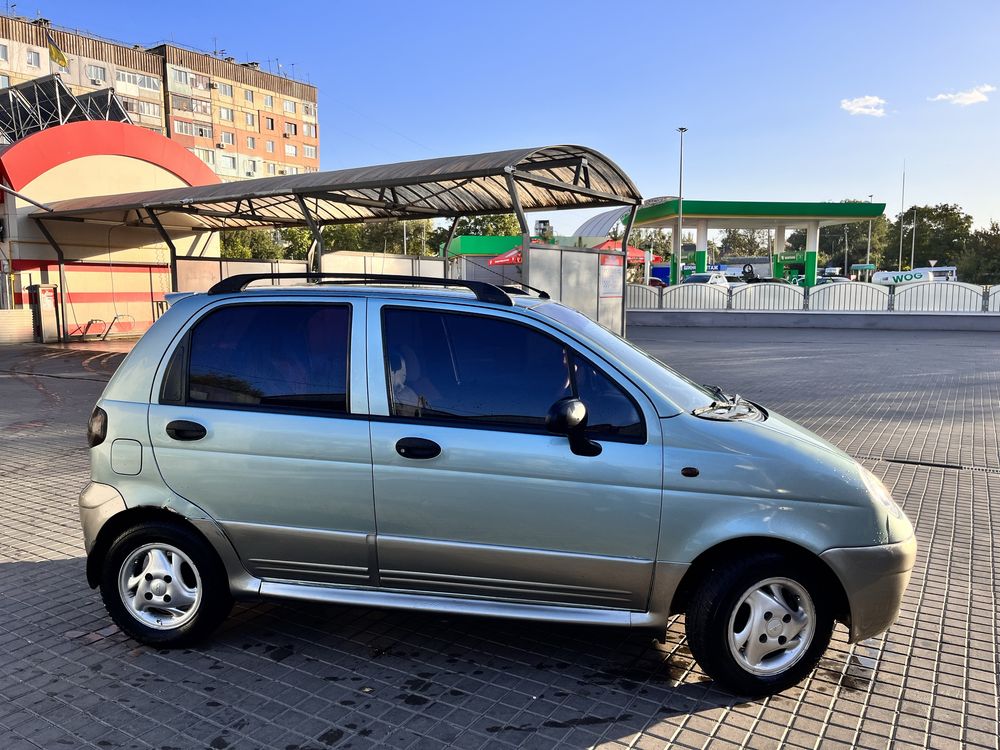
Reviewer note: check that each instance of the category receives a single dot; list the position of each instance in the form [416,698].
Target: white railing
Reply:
[939,296]
[844,296]
[767,296]
[849,296]
[993,304]
[694,297]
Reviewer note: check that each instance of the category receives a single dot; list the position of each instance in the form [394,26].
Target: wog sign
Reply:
[901,277]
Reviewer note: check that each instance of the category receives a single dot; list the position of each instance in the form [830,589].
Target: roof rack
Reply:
[484,292]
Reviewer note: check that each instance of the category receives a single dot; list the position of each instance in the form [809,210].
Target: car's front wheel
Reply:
[759,625]
[164,585]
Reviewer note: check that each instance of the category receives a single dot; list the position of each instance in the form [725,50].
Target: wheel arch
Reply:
[732,549]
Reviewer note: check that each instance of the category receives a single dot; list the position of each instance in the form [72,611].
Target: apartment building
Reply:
[240,120]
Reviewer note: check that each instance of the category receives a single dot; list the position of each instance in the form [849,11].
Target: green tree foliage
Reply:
[743,243]
[297,241]
[831,243]
[941,233]
[978,261]
[656,240]
[251,243]
[498,225]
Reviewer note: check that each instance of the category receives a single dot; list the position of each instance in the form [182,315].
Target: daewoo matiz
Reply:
[469,449]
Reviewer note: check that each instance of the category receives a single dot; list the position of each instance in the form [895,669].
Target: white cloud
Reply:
[873,106]
[975,95]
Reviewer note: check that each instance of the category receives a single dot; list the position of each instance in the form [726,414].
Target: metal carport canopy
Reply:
[545,178]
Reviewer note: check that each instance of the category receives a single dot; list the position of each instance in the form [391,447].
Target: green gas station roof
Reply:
[750,214]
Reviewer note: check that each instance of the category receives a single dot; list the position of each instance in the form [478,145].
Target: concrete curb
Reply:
[883,321]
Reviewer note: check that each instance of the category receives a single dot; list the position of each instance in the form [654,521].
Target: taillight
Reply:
[97,428]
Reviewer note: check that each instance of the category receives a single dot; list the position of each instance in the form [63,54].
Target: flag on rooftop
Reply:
[56,54]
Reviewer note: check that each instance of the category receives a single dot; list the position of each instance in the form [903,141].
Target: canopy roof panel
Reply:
[755,214]
[551,177]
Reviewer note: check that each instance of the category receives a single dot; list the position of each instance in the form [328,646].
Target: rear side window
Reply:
[273,357]
[454,367]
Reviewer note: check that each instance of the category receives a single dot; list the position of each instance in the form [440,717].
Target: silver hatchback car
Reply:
[471,450]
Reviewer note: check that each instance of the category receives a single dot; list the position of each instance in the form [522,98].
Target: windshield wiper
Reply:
[721,398]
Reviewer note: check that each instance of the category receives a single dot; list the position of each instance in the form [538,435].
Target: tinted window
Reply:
[465,367]
[271,356]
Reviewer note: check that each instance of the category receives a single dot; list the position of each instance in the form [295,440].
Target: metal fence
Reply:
[847,296]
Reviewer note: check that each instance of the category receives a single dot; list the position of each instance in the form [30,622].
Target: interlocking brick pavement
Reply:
[314,676]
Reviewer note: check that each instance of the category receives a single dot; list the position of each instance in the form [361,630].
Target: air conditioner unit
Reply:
[286,135]
[220,145]
[213,85]
[96,81]
[281,171]
[251,174]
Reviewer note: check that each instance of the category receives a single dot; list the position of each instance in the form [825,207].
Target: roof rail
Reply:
[484,292]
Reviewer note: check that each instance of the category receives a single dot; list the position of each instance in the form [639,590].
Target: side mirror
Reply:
[568,416]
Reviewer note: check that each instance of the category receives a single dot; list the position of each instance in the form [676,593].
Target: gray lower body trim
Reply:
[456,605]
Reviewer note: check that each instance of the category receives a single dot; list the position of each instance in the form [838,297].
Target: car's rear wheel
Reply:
[164,585]
[759,625]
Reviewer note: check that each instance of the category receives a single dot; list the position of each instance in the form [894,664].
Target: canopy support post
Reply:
[64,324]
[313,256]
[625,237]
[446,250]
[522,220]
[170,244]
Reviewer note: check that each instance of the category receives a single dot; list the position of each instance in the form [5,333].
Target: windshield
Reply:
[683,393]
[697,278]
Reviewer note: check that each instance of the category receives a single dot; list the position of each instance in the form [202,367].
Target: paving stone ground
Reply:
[918,409]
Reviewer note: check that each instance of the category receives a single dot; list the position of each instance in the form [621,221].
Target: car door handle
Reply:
[181,429]
[412,447]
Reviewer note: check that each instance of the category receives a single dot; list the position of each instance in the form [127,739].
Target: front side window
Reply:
[468,368]
[271,357]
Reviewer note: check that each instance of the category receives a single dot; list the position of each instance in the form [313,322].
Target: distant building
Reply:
[241,121]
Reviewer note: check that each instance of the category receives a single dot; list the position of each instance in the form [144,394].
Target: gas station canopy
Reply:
[754,214]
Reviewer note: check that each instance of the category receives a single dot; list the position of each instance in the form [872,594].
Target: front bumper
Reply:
[874,579]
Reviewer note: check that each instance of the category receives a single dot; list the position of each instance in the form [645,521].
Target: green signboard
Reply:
[791,257]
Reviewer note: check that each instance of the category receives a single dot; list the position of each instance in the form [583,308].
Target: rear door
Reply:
[504,509]
[259,417]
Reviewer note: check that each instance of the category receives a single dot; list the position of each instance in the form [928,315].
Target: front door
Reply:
[474,497]
[259,422]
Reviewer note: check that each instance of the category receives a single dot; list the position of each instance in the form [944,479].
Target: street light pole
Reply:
[868,254]
[678,254]
[902,214]
[913,240]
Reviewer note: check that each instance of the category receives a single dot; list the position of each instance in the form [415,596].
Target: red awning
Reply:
[635,255]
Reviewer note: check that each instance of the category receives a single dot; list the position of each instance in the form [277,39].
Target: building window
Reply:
[182,77]
[291,170]
[201,106]
[97,73]
[181,103]
[138,107]
[309,152]
[308,109]
[227,162]
[206,155]
[288,106]
[182,127]
[309,130]
[291,128]
[202,131]
[251,166]
[291,149]
[34,59]
[248,95]
[3,52]
[225,113]
[272,168]
[269,147]
[4,82]
[269,123]
[226,89]
[200,82]
[251,142]
[268,100]
[228,138]
[138,79]
[251,119]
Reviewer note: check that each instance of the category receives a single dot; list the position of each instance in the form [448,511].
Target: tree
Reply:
[941,233]
[297,241]
[743,243]
[831,244]
[251,243]
[495,225]
[978,261]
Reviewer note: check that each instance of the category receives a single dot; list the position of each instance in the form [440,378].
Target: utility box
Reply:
[44,312]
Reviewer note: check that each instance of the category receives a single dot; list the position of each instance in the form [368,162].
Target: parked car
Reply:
[713,277]
[469,451]
[831,279]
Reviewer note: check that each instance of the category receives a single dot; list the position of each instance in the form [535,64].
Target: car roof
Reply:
[386,291]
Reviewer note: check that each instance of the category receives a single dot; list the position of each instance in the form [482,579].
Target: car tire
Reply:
[164,585]
[759,625]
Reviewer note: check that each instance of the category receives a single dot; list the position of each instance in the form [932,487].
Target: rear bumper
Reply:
[98,503]
[874,579]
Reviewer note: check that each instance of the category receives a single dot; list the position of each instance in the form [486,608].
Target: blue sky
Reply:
[760,86]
